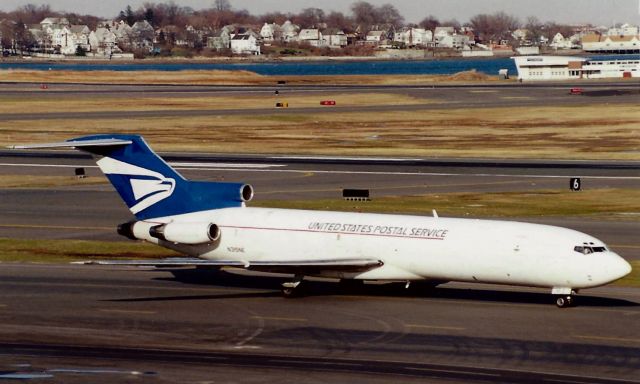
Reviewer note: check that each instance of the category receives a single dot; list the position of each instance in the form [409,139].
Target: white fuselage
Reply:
[411,247]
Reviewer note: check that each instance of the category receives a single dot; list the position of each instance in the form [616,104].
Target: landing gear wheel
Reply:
[289,292]
[293,288]
[564,301]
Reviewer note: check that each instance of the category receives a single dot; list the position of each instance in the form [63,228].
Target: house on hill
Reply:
[245,43]
[313,36]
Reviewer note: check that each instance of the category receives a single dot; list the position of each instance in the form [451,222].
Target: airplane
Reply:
[212,225]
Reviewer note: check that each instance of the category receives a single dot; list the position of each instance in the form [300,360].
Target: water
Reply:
[490,66]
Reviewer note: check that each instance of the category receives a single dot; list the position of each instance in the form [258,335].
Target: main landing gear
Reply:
[291,289]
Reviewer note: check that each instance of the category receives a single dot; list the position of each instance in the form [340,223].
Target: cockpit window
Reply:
[587,249]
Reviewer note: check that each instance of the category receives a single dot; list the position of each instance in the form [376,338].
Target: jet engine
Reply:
[186,233]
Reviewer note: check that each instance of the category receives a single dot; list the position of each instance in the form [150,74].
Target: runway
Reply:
[194,324]
[447,96]
[78,324]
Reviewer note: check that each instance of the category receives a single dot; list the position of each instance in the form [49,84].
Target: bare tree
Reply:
[430,23]
[222,5]
[310,18]
[535,29]
[494,27]
[364,15]
[275,17]
[33,14]
[340,21]
[389,15]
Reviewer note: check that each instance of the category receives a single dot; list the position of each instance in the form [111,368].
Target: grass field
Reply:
[220,77]
[571,132]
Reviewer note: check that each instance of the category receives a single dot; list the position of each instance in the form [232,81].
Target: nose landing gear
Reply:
[564,297]
[564,301]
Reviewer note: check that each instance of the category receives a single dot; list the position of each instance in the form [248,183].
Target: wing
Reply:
[290,266]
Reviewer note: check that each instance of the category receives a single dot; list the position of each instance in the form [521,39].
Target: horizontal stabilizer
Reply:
[290,266]
[75,144]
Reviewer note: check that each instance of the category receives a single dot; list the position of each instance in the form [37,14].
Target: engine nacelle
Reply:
[186,233]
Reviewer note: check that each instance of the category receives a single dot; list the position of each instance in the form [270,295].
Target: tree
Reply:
[389,15]
[494,27]
[535,29]
[310,18]
[275,17]
[22,38]
[222,5]
[429,23]
[129,16]
[340,21]
[80,51]
[364,15]
[33,14]
[149,16]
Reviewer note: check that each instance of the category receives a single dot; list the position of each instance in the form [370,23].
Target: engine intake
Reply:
[186,233]
[246,193]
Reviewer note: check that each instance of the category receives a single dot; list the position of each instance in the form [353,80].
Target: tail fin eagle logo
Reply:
[148,187]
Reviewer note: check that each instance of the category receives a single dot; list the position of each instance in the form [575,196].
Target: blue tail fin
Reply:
[149,186]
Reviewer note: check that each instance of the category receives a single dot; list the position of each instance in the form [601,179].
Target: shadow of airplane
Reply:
[224,279]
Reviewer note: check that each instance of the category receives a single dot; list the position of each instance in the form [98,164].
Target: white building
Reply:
[453,41]
[376,37]
[68,38]
[611,44]
[245,44]
[412,37]
[624,30]
[271,32]
[289,31]
[532,68]
[334,38]
[560,42]
[312,36]
[103,42]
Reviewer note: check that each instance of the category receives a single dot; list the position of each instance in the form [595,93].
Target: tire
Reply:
[564,301]
[288,292]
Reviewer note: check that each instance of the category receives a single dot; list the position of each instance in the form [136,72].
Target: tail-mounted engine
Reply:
[179,233]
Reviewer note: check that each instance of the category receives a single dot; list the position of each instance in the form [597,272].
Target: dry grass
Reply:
[221,77]
[569,132]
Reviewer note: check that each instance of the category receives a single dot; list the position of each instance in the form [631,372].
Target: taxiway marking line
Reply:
[139,312]
[33,226]
[279,318]
[605,338]
[447,328]
[357,172]
[452,371]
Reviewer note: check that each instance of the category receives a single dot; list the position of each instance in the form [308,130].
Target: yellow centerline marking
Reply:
[279,318]
[33,226]
[128,311]
[604,338]
[447,328]
[3,305]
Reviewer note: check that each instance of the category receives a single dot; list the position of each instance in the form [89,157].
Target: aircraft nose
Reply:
[619,268]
